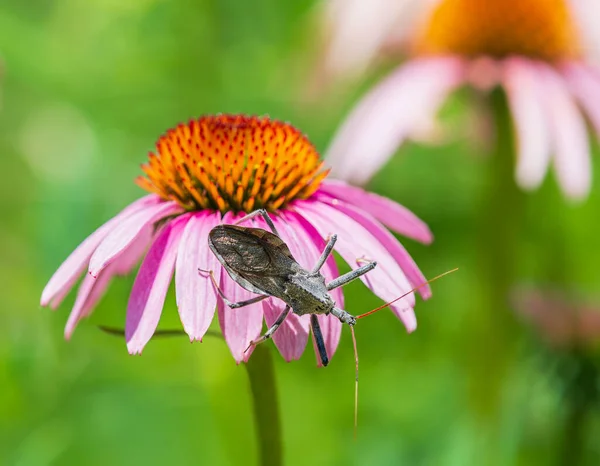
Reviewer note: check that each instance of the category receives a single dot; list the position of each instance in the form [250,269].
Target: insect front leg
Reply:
[232,305]
[263,213]
[350,276]
[269,333]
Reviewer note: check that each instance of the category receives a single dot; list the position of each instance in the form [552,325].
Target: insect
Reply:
[261,262]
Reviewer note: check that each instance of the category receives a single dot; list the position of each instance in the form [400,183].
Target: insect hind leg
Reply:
[271,330]
[264,214]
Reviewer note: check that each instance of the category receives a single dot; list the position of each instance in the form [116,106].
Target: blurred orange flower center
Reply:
[541,29]
[233,163]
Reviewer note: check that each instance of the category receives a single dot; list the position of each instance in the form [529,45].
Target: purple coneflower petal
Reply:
[65,277]
[389,113]
[126,232]
[387,280]
[91,289]
[572,159]
[89,293]
[388,241]
[584,84]
[526,103]
[239,326]
[388,212]
[196,294]
[151,284]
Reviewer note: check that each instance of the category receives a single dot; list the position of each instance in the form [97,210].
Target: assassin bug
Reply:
[262,263]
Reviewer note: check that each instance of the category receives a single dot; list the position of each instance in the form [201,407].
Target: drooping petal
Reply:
[388,241]
[587,15]
[584,84]
[387,280]
[572,159]
[196,294]
[239,326]
[388,212]
[526,104]
[65,277]
[389,113]
[91,289]
[126,232]
[358,30]
[151,284]
[89,293]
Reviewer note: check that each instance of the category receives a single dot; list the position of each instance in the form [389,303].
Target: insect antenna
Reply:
[355,382]
[372,311]
[383,306]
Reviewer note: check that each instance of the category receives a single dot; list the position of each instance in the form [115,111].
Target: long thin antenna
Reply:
[383,306]
[355,383]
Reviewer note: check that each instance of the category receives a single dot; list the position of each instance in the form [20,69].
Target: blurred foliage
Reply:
[87,87]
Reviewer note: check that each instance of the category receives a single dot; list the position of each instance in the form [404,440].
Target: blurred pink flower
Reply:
[212,171]
[561,322]
[540,51]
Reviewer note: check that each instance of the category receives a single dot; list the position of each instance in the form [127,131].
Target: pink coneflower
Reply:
[537,50]
[214,170]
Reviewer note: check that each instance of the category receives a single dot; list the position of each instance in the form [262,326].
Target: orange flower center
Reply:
[541,29]
[233,163]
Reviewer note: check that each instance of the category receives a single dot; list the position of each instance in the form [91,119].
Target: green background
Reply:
[86,89]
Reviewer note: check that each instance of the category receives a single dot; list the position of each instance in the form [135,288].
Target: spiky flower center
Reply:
[233,163]
[541,29]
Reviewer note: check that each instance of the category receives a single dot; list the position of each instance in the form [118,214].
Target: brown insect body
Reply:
[262,263]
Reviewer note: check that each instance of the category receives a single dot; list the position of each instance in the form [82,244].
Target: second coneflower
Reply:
[537,50]
[214,170]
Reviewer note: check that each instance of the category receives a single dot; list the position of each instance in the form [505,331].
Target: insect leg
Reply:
[227,301]
[352,275]
[265,216]
[271,330]
[316,328]
[325,253]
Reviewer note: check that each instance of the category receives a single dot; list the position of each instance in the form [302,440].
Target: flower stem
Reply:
[261,373]
[500,219]
[580,397]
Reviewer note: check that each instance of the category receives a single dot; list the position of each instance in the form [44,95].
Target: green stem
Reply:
[581,396]
[497,256]
[261,373]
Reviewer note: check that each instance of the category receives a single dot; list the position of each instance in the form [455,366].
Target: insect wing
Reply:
[254,258]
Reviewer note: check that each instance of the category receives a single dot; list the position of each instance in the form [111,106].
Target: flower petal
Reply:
[388,212]
[126,232]
[65,277]
[358,29]
[151,285]
[91,289]
[389,242]
[572,159]
[239,326]
[196,294]
[387,280]
[526,104]
[389,113]
[584,84]
[89,293]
